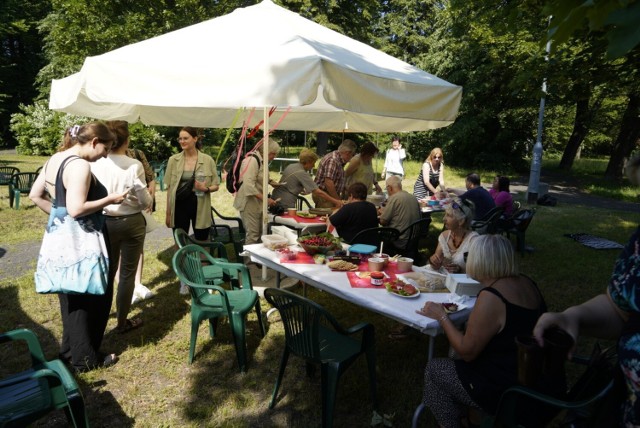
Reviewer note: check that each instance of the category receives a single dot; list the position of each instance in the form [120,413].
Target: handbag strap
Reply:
[61,192]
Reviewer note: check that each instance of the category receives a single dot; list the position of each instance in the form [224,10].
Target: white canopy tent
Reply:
[258,57]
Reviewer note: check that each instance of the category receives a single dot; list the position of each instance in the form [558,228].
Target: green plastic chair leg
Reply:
[260,321]
[330,377]
[283,365]
[17,199]
[371,362]
[239,337]
[194,337]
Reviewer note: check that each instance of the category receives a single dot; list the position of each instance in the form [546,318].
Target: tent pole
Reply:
[265,180]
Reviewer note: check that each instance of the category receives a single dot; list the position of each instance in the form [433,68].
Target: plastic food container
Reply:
[275,242]
[376,264]
[377,278]
[405,264]
[292,212]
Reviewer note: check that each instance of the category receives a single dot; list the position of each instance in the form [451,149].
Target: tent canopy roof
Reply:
[258,56]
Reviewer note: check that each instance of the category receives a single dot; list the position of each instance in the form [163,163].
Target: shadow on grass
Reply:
[14,357]
[216,383]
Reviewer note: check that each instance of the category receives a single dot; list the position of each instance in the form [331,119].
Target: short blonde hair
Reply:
[462,210]
[491,256]
[307,155]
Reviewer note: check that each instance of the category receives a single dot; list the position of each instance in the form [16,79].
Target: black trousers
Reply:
[84,320]
[184,217]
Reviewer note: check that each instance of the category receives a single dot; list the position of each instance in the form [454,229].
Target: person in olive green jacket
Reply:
[193,209]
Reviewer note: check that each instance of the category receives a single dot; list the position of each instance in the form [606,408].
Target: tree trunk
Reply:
[627,138]
[580,128]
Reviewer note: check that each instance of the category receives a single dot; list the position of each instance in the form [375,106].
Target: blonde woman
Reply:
[507,306]
[454,242]
[431,176]
[360,169]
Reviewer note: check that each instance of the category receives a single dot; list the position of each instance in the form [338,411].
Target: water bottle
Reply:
[200,178]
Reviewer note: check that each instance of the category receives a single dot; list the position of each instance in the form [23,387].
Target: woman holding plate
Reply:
[508,305]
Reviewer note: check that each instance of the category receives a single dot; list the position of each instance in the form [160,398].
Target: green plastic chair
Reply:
[6,174]
[21,183]
[583,403]
[313,334]
[211,272]
[226,233]
[48,385]
[489,223]
[159,169]
[235,303]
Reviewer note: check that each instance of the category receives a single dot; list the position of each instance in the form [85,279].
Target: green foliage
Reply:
[20,57]
[39,130]
[151,141]
[619,20]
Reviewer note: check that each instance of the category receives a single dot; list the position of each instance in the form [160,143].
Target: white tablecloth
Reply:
[376,299]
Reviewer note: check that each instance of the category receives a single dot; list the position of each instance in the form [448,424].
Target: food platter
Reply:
[305,214]
[355,269]
[342,266]
[412,296]
[402,289]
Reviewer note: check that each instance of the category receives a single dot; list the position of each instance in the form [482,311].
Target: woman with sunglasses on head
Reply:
[454,242]
[431,176]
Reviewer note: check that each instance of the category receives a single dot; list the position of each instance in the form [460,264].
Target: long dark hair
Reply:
[503,183]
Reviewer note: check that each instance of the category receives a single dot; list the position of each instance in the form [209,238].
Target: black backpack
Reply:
[233,182]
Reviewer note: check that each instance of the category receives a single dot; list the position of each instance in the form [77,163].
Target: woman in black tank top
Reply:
[508,306]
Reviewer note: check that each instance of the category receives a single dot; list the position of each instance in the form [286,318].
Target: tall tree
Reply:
[627,139]
[20,56]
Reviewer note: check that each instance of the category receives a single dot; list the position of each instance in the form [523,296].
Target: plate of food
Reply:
[402,289]
[342,266]
[451,307]
[306,214]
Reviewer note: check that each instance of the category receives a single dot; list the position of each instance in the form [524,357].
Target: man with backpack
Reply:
[248,200]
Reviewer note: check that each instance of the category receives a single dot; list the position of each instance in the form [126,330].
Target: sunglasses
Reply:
[457,206]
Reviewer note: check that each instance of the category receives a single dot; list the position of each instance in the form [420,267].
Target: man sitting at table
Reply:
[330,176]
[481,198]
[295,180]
[402,209]
[356,215]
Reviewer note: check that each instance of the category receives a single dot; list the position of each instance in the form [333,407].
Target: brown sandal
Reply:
[130,324]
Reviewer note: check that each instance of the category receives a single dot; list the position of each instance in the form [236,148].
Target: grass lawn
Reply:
[153,386]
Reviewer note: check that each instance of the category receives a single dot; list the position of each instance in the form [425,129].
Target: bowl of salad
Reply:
[319,244]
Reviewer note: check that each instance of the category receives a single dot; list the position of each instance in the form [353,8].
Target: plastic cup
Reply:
[292,212]
[376,264]
[530,360]
[557,344]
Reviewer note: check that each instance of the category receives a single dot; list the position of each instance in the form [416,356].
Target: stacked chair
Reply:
[28,395]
